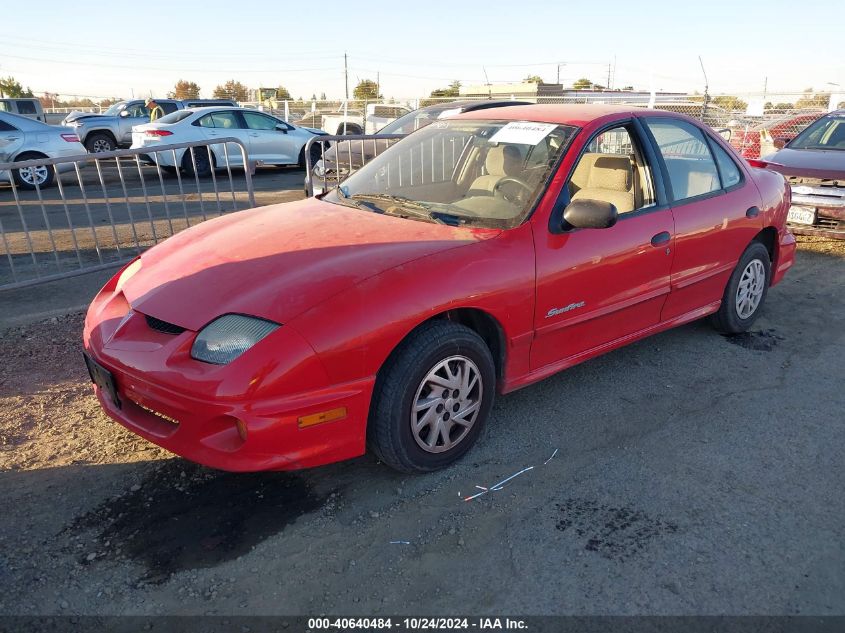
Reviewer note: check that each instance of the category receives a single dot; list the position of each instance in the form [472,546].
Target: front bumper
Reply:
[240,417]
[828,202]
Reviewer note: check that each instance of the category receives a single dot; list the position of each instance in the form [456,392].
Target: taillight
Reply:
[756,162]
[70,138]
[157,133]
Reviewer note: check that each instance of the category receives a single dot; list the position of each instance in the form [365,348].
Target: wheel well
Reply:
[186,155]
[28,155]
[104,133]
[768,237]
[486,326]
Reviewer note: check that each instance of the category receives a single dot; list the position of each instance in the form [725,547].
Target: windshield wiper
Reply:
[407,208]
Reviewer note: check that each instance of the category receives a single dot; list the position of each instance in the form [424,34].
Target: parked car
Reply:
[814,164]
[767,136]
[377,115]
[329,171]
[390,312]
[113,128]
[30,108]
[23,138]
[267,139]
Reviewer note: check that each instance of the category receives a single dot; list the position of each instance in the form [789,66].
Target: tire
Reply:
[203,163]
[431,353]
[98,142]
[750,279]
[351,128]
[45,174]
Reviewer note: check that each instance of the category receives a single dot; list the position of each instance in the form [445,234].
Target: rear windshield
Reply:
[175,117]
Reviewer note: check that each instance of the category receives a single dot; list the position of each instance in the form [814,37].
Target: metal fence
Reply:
[106,208]
[340,155]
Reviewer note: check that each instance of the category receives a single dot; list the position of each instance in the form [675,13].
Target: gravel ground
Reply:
[693,474]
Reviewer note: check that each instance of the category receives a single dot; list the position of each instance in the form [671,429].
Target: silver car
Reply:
[22,138]
[267,140]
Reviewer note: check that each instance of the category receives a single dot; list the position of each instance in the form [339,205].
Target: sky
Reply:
[114,48]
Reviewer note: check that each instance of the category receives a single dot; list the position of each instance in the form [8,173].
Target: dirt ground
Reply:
[685,474]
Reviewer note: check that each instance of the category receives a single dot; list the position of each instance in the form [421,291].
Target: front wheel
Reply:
[432,398]
[746,291]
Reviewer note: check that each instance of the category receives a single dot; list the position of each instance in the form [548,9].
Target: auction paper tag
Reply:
[523,133]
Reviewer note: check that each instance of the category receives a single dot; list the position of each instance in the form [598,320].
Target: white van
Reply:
[29,107]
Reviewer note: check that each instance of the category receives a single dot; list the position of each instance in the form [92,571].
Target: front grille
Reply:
[827,223]
[163,326]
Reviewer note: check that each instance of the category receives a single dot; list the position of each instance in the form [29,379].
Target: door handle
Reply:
[661,238]
[752,212]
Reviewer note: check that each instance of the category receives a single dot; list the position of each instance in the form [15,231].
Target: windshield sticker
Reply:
[523,133]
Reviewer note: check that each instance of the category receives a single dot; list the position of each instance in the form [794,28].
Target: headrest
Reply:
[503,160]
[610,172]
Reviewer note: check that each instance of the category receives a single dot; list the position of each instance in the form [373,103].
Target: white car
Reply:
[267,139]
[22,138]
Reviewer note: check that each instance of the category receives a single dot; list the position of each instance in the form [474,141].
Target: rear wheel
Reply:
[746,291]
[432,398]
[201,161]
[98,142]
[27,177]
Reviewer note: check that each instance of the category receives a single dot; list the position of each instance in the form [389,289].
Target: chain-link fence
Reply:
[755,120]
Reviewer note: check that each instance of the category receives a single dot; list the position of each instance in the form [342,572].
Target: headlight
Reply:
[224,339]
[318,169]
[74,123]
[127,274]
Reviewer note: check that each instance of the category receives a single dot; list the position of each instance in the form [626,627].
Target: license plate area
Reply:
[801,215]
[103,378]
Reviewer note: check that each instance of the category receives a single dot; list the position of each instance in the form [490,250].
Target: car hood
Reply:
[76,116]
[808,163]
[277,261]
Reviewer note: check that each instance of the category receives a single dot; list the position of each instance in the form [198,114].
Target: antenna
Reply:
[706,89]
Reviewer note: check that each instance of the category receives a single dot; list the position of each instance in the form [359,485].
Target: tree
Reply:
[12,89]
[185,90]
[730,103]
[582,84]
[533,79]
[810,100]
[283,94]
[366,89]
[232,89]
[453,90]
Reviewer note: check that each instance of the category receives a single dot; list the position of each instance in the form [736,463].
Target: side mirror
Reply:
[282,128]
[590,214]
[781,141]
[124,113]
[725,133]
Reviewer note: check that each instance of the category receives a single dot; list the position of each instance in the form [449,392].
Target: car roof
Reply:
[468,105]
[567,114]
[23,122]
[217,108]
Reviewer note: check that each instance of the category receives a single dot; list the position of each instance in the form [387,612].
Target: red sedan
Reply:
[476,256]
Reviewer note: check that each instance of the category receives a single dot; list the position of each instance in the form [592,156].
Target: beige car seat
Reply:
[501,161]
[605,177]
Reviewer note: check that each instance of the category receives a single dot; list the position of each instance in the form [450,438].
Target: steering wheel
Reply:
[525,189]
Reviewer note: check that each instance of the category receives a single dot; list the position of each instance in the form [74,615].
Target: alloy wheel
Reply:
[749,292]
[33,175]
[446,404]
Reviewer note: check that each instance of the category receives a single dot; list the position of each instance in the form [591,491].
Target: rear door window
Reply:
[7,127]
[692,170]
[728,169]
[168,107]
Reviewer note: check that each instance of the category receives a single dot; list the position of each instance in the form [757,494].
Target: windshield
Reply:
[826,133]
[460,172]
[115,108]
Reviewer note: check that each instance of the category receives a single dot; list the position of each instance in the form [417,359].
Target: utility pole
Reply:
[378,86]
[607,85]
[706,89]
[346,81]
[487,79]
